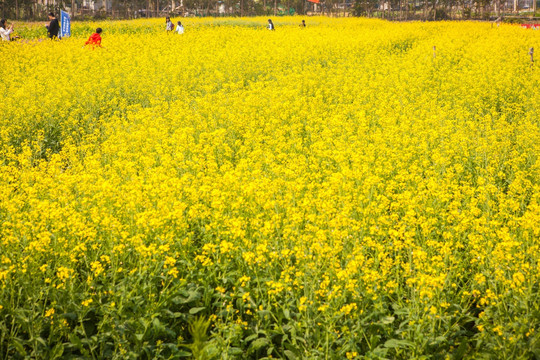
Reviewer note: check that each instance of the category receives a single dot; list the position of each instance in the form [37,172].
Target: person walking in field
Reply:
[303,24]
[5,32]
[169,25]
[94,39]
[53,27]
[270,25]
[179,28]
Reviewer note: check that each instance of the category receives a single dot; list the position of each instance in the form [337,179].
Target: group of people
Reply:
[53,27]
[272,27]
[169,26]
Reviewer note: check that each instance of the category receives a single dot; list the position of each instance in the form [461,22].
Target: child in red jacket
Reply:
[95,38]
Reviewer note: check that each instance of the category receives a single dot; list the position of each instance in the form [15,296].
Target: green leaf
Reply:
[290,355]
[387,320]
[41,341]
[251,337]
[259,343]
[70,316]
[57,351]
[235,351]
[263,313]
[394,343]
[210,351]
[145,323]
[191,296]
[460,352]
[156,323]
[287,314]
[380,352]
[437,340]
[196,310]
[74,339]
[403,311]
[139,336]
[374,341]
[19,347]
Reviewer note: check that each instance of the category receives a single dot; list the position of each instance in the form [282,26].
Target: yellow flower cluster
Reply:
[354,183]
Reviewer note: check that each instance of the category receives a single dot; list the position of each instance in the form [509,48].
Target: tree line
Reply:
[389,9]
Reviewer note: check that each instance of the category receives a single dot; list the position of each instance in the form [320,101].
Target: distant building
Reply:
[96,5]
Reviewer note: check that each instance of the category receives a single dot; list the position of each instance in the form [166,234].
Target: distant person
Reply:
[270,25]
[303,24]
[180,28]
[5,32]
[169,24]
[53,27]
[95,38]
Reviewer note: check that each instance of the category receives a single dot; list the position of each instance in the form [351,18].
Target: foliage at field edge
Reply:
[339,191]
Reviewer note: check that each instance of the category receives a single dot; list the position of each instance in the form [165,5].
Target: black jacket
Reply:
[53,28]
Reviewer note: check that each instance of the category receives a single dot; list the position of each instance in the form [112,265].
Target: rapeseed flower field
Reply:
[343,191]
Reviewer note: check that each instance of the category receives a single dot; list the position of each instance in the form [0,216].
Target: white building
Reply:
[96,5]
